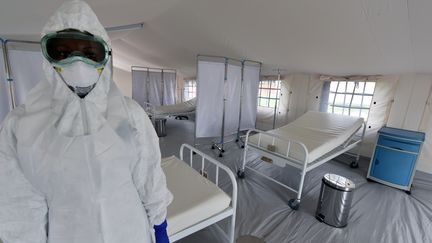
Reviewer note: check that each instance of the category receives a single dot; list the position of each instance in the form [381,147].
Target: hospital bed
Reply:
[308,142]
[181,109]
[198,202]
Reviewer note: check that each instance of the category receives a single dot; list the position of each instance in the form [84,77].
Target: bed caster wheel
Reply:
[241,174]
[220,155]
[237,140]
[212,147]
[294,204]
[354,165]
[242,146]
[223,151]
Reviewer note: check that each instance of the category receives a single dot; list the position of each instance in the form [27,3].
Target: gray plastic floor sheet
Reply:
[378,214]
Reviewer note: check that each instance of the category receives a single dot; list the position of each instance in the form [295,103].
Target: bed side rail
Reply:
[274,138]
[204,159]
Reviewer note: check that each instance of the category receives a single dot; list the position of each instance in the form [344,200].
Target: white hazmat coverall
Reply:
[78,170]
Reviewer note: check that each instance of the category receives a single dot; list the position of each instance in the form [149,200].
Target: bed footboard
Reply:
[228,213]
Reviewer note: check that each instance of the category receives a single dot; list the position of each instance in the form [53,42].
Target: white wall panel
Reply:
[401,101]
[419,95]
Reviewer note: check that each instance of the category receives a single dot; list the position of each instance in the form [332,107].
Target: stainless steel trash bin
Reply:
[160,127]
[335,198]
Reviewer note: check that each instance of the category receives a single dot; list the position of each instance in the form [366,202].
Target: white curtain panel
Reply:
[210,87]
[250,97]
[155,88]
[4,92]
[26,69]
[232,96]
[169,88]
[139,92]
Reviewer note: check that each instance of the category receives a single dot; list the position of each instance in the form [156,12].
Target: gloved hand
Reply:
[161,233]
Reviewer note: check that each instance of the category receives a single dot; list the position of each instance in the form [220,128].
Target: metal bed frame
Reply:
[149,109]
[230,212]
[353,141]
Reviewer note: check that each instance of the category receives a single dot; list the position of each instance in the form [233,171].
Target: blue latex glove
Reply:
[161,233]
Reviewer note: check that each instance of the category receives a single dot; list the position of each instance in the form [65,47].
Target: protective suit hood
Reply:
[79,170]
[71,120]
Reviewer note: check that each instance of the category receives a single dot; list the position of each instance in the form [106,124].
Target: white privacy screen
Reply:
[250,97]
[232,98]
[155,88]
[26,70]
[210,87]
[169,88]
[139,92]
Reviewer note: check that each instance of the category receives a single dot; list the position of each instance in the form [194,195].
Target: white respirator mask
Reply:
[80,77]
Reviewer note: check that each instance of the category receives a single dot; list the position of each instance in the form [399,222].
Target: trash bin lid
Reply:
[339,182]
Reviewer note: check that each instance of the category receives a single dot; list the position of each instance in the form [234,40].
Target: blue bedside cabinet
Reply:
[394,160]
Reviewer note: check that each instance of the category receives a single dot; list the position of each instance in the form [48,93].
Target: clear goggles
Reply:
[67,46]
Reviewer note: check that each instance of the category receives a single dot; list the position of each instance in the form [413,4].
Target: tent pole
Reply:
[276,103]
[147,85]
[241,100]
[197,100]
[162,87]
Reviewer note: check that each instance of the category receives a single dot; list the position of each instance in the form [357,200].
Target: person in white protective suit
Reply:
[79,162]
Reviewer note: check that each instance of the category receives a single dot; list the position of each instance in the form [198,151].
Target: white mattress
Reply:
[195,197]
[319,131]
[181,108]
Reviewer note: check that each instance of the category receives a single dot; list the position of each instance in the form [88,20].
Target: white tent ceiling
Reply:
[338,37]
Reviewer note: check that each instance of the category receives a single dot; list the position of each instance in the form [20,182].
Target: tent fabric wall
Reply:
[210,93]
[411,110]
[4,92]
[382,101]
[251,78]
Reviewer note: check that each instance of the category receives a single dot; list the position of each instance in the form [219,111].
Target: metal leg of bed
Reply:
[231,232]
[295,203]
[220,147]
[241,171]
[355,164]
